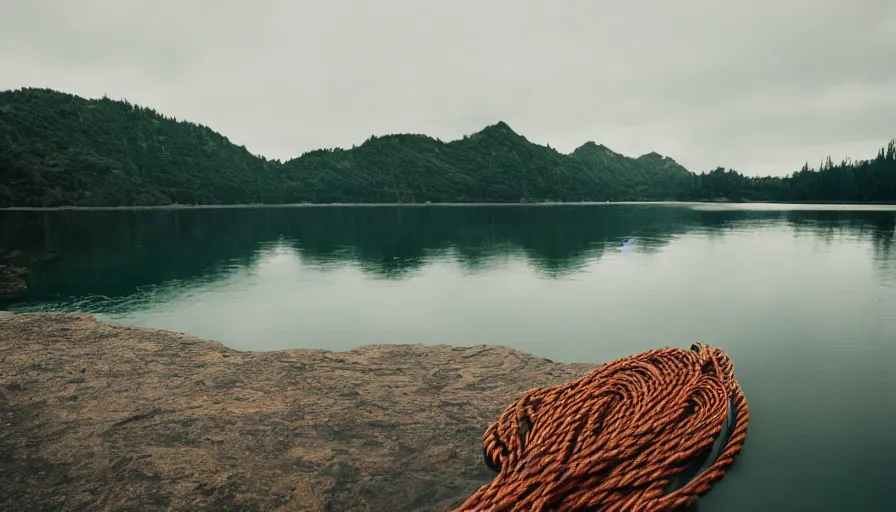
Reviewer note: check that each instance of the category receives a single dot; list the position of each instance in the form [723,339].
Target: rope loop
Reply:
[624,438]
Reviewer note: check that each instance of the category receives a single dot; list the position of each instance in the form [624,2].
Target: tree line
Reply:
[58,149]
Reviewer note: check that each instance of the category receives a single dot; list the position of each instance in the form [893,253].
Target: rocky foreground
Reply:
[101,417]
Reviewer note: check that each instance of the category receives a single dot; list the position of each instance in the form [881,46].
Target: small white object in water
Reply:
[627,245]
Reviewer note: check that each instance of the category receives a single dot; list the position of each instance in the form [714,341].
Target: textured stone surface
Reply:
[101,417]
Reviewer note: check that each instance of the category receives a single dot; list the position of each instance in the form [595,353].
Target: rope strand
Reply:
[615,439]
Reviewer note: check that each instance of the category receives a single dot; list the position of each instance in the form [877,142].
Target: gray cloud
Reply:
[759,86]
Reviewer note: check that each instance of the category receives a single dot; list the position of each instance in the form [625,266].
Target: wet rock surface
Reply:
[102,417]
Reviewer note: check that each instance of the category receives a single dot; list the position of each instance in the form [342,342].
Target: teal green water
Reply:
[804,301]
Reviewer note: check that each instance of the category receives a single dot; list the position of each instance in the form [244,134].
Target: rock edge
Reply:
[96,416]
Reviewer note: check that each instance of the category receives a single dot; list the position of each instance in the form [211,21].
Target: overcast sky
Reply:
[760,86]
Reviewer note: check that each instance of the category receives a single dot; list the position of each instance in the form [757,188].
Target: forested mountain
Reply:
[59,149]
[495,164]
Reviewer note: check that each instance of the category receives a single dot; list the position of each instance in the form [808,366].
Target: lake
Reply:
[802,298]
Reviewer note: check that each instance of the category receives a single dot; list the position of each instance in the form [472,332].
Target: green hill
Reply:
[58,149]
[495,164]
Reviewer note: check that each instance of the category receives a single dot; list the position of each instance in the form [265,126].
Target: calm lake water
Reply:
[803,299]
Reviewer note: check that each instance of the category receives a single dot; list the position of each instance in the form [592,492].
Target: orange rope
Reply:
[614,440]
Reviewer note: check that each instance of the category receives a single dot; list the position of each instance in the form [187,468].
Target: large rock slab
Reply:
[102,417]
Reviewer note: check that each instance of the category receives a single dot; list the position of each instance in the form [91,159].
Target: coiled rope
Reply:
[620,439]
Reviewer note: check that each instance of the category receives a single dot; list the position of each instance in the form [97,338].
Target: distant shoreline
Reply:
[343,205]
[325,205]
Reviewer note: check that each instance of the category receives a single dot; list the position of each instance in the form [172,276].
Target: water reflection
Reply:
[113,254]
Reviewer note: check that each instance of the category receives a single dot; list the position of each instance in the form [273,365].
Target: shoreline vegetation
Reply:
[144,419]
[61,150]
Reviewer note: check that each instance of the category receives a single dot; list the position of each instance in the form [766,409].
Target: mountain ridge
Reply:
[59,149]
[499,126]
